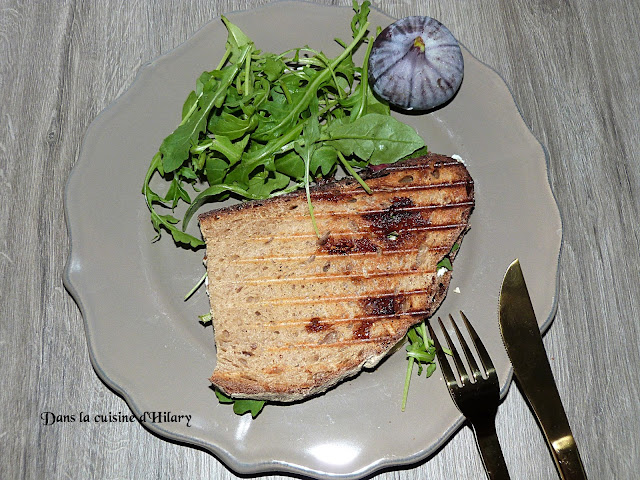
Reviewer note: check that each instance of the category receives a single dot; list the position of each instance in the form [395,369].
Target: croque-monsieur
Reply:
[294,314]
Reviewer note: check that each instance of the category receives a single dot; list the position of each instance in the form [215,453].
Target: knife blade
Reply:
[523,342]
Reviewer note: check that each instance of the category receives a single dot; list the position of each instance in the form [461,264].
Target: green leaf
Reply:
[360,17]
[184,238]
[176,193]
[377,138]
[272,67]
[233,151]
[346,70]
[422,151]
[167,222]
[231,126]
[236,38]
[188,172]
[446,263]
[264,184]
[216,169]
[265,154]
[430,369]
[175,147]
[222,398]
[422,356]
[206,81]
[213,192]
[323,160]
[242,406]
[215,96]
[169,218]
[189,105]
[376,106]
[290,164]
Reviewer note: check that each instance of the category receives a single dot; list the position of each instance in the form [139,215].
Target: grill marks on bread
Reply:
[293,313]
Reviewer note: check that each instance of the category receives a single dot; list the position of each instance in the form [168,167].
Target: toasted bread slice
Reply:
[295,314]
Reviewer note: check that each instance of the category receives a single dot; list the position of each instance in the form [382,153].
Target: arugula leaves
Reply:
[242,406]
[263,124]
[420,350]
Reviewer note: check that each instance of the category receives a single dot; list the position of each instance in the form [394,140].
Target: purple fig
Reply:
[416,64]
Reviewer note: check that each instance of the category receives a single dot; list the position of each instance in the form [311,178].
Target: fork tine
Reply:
[482,352]
[447,373]
[475,371]
[462,372]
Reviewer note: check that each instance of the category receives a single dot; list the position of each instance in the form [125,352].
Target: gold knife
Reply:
[522,339]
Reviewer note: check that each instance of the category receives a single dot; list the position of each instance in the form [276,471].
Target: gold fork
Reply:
[477,397]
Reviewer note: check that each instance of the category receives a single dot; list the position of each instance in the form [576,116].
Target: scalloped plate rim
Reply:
[225,456]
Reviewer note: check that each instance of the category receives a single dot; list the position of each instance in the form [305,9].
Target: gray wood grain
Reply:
[572,66]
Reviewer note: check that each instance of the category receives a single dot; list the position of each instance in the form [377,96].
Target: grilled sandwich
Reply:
[295,313]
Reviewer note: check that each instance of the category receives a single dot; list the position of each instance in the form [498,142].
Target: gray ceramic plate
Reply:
[146,343]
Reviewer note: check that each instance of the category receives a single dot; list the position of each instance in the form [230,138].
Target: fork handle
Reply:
[490,451]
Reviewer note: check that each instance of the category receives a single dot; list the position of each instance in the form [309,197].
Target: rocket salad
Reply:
[262,124]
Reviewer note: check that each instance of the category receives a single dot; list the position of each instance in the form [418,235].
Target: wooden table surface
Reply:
[572,66]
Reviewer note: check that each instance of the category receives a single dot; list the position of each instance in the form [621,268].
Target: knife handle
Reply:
[490,450]
[547,406]
[567,458]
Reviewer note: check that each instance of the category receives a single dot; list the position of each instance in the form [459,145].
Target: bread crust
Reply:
[295,314]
